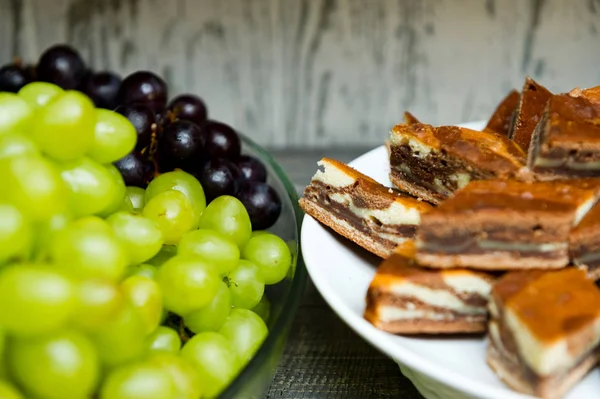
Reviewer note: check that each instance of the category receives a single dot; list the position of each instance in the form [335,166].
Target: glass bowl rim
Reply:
[297,287]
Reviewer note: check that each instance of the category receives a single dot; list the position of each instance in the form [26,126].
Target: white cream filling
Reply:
[389,314]
[469,284]
[568,163]
[437,298]
[396,213]
[418,148]
[332,176]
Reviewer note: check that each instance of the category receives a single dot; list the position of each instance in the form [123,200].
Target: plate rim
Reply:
[379,339]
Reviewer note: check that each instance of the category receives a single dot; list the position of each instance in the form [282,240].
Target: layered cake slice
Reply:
[584,243]
[532,104]
[502,225]
[566,141]
[357,207]
[405,298]
[502,119]
[544,330]
[431,163]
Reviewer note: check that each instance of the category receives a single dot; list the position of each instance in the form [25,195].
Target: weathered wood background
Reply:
[318,73]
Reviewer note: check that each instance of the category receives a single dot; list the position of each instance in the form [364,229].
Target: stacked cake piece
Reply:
[493,231]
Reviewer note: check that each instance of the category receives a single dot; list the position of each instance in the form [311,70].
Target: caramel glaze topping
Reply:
[573,120]
[558,196]
[531,107]
[552,305]
[488,151]
[590,221]
[501,119]
[409,118]
[592,94]
[369,194]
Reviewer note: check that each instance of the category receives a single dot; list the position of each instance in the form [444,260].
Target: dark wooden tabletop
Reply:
[324,358]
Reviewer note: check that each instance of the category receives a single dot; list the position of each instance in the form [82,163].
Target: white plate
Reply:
[441,368]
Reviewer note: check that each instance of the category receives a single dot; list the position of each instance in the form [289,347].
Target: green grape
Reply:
[98,303]
[140,236]
[114,137]
[182,374]
[263,309]
[38,94]
[246,331]
[144,293]
[212,316]
[183,182]
[57,366]
[212,246]
[15,232]
[33,184]
[64,128]
[166,253]
[8,391]
[88,248]
[245,285]
[143,269]
[119,200]
[45,233]
[34,299]
[14,144]
[15,113]
[188,283]
[214,359]
[137,197]
[163,339]
[173,212]
[138,381]
[228,216]
[121,339]
[92,187]
[272,256]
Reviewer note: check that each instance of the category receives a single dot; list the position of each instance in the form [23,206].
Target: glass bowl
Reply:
[285,296]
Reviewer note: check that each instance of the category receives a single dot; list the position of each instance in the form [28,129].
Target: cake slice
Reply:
[566,141]
[431,163]
[584,244]
[357,207]
[405,298]
[544,330]
[532,104]
[503,225]
[503,117]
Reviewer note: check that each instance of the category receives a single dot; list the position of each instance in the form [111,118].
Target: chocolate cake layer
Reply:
[431,163]
[532,104]
[566,142]
[407,298]
[505,224]
[502,119]
[376,217]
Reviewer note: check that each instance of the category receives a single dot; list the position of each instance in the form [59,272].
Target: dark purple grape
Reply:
[219,177]
[136,169]
[262,203]
[142,118]
[102,88]
[13,77]
[146,88]
[251,169]
[181,143]
[189,107]
[61,65]
[221,141]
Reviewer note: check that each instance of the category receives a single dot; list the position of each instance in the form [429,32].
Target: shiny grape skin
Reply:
[61,65]
[262,203]
[13,77]
[251,169]
[144,87]
[181,143]
[222,141]
[219,177]
[136,169]
[142,118]
[188,107]
[102,88]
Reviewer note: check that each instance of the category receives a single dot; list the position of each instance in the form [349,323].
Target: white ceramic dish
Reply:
[440,368]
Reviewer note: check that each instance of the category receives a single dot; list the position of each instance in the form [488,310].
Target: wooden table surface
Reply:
[324,358]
